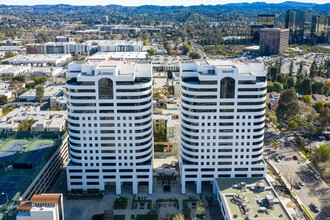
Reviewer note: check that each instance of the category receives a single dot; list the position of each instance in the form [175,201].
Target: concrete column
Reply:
[198,187]
[118,188]
[214,187]
[183,187]
[150,187]
[135,187]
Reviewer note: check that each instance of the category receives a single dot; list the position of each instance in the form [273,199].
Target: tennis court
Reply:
[9,186]
[11,151]
[37,152]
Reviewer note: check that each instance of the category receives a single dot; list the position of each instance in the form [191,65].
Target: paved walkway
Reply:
[85,209]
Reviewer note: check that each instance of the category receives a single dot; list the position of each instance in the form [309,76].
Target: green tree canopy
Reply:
[278,87]
[317,87]
[20,78]
[307,99]
[186,48]
[194,55]
[305,87]
[270,88]
[318,106]
[40,80]
[40,92]
[288,105]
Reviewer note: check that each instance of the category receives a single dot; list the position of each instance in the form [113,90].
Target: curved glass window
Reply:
[105,88]
[227,88]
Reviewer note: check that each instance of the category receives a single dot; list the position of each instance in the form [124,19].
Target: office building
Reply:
[267,20]
[119,46]
[222,121]
[273,40]
[60,47]
[110,125]
[44,206]
[295,22]
[319,25]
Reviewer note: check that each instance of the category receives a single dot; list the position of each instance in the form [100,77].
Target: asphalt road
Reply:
[316,191]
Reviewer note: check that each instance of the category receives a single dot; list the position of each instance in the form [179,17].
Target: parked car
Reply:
[295,157]
[298,186]
[315,207]
[316,176]
[301,183]
[277,159]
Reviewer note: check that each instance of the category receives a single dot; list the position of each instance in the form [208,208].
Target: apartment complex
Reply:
[273,40]
[119,46]
[222,120]
[110,124]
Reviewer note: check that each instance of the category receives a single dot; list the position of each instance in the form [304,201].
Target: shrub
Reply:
[120,203]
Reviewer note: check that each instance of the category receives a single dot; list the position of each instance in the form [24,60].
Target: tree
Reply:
[151,51]
[30,85]
[288,105]
[313,70]
[200,208]
[160,133]
[318,106]
[291,180]
[326,89]
[40,80]
[324,116]
[186,48]
[323,153]
[307,99]
[300,69]
[40,92]
[305,87]
[292,125]
[290,82]
[16,86]
[153,213]
[9,54]
[291,68]
[145,43]
[20,78]
[317,87]
[278,87]
[26,124]
[273,72]
[186,210]
[178,217]
[194,55]
[270,88]
[3,99]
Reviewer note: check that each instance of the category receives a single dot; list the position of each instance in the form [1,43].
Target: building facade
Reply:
[319,25]
[273,40]
[110,125]
[295,22]
[222,121]
[267,20]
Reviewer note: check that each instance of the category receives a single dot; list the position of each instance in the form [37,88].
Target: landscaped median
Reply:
[307,212]
[145,200]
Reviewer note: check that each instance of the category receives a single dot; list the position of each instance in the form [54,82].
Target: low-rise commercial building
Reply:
[39,59]
[119,46]
[42,120]
[44,206]
[51,90]
[60,47]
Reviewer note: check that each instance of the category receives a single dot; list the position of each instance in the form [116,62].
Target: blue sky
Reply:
[141,2]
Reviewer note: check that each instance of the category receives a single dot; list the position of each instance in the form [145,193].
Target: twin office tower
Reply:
[111,130]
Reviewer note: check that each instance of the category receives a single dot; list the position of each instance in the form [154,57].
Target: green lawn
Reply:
[119,217]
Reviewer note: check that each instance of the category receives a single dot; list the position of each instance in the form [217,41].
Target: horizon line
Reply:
[182,5]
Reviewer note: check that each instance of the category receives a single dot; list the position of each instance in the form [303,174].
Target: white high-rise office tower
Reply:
[110,125]
[222,120]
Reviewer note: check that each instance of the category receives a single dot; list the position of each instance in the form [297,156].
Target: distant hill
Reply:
[254,6]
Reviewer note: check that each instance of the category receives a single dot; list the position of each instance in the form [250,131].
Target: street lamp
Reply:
[6,195]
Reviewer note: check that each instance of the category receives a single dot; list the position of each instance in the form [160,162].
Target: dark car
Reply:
[315,207]
[295,157]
